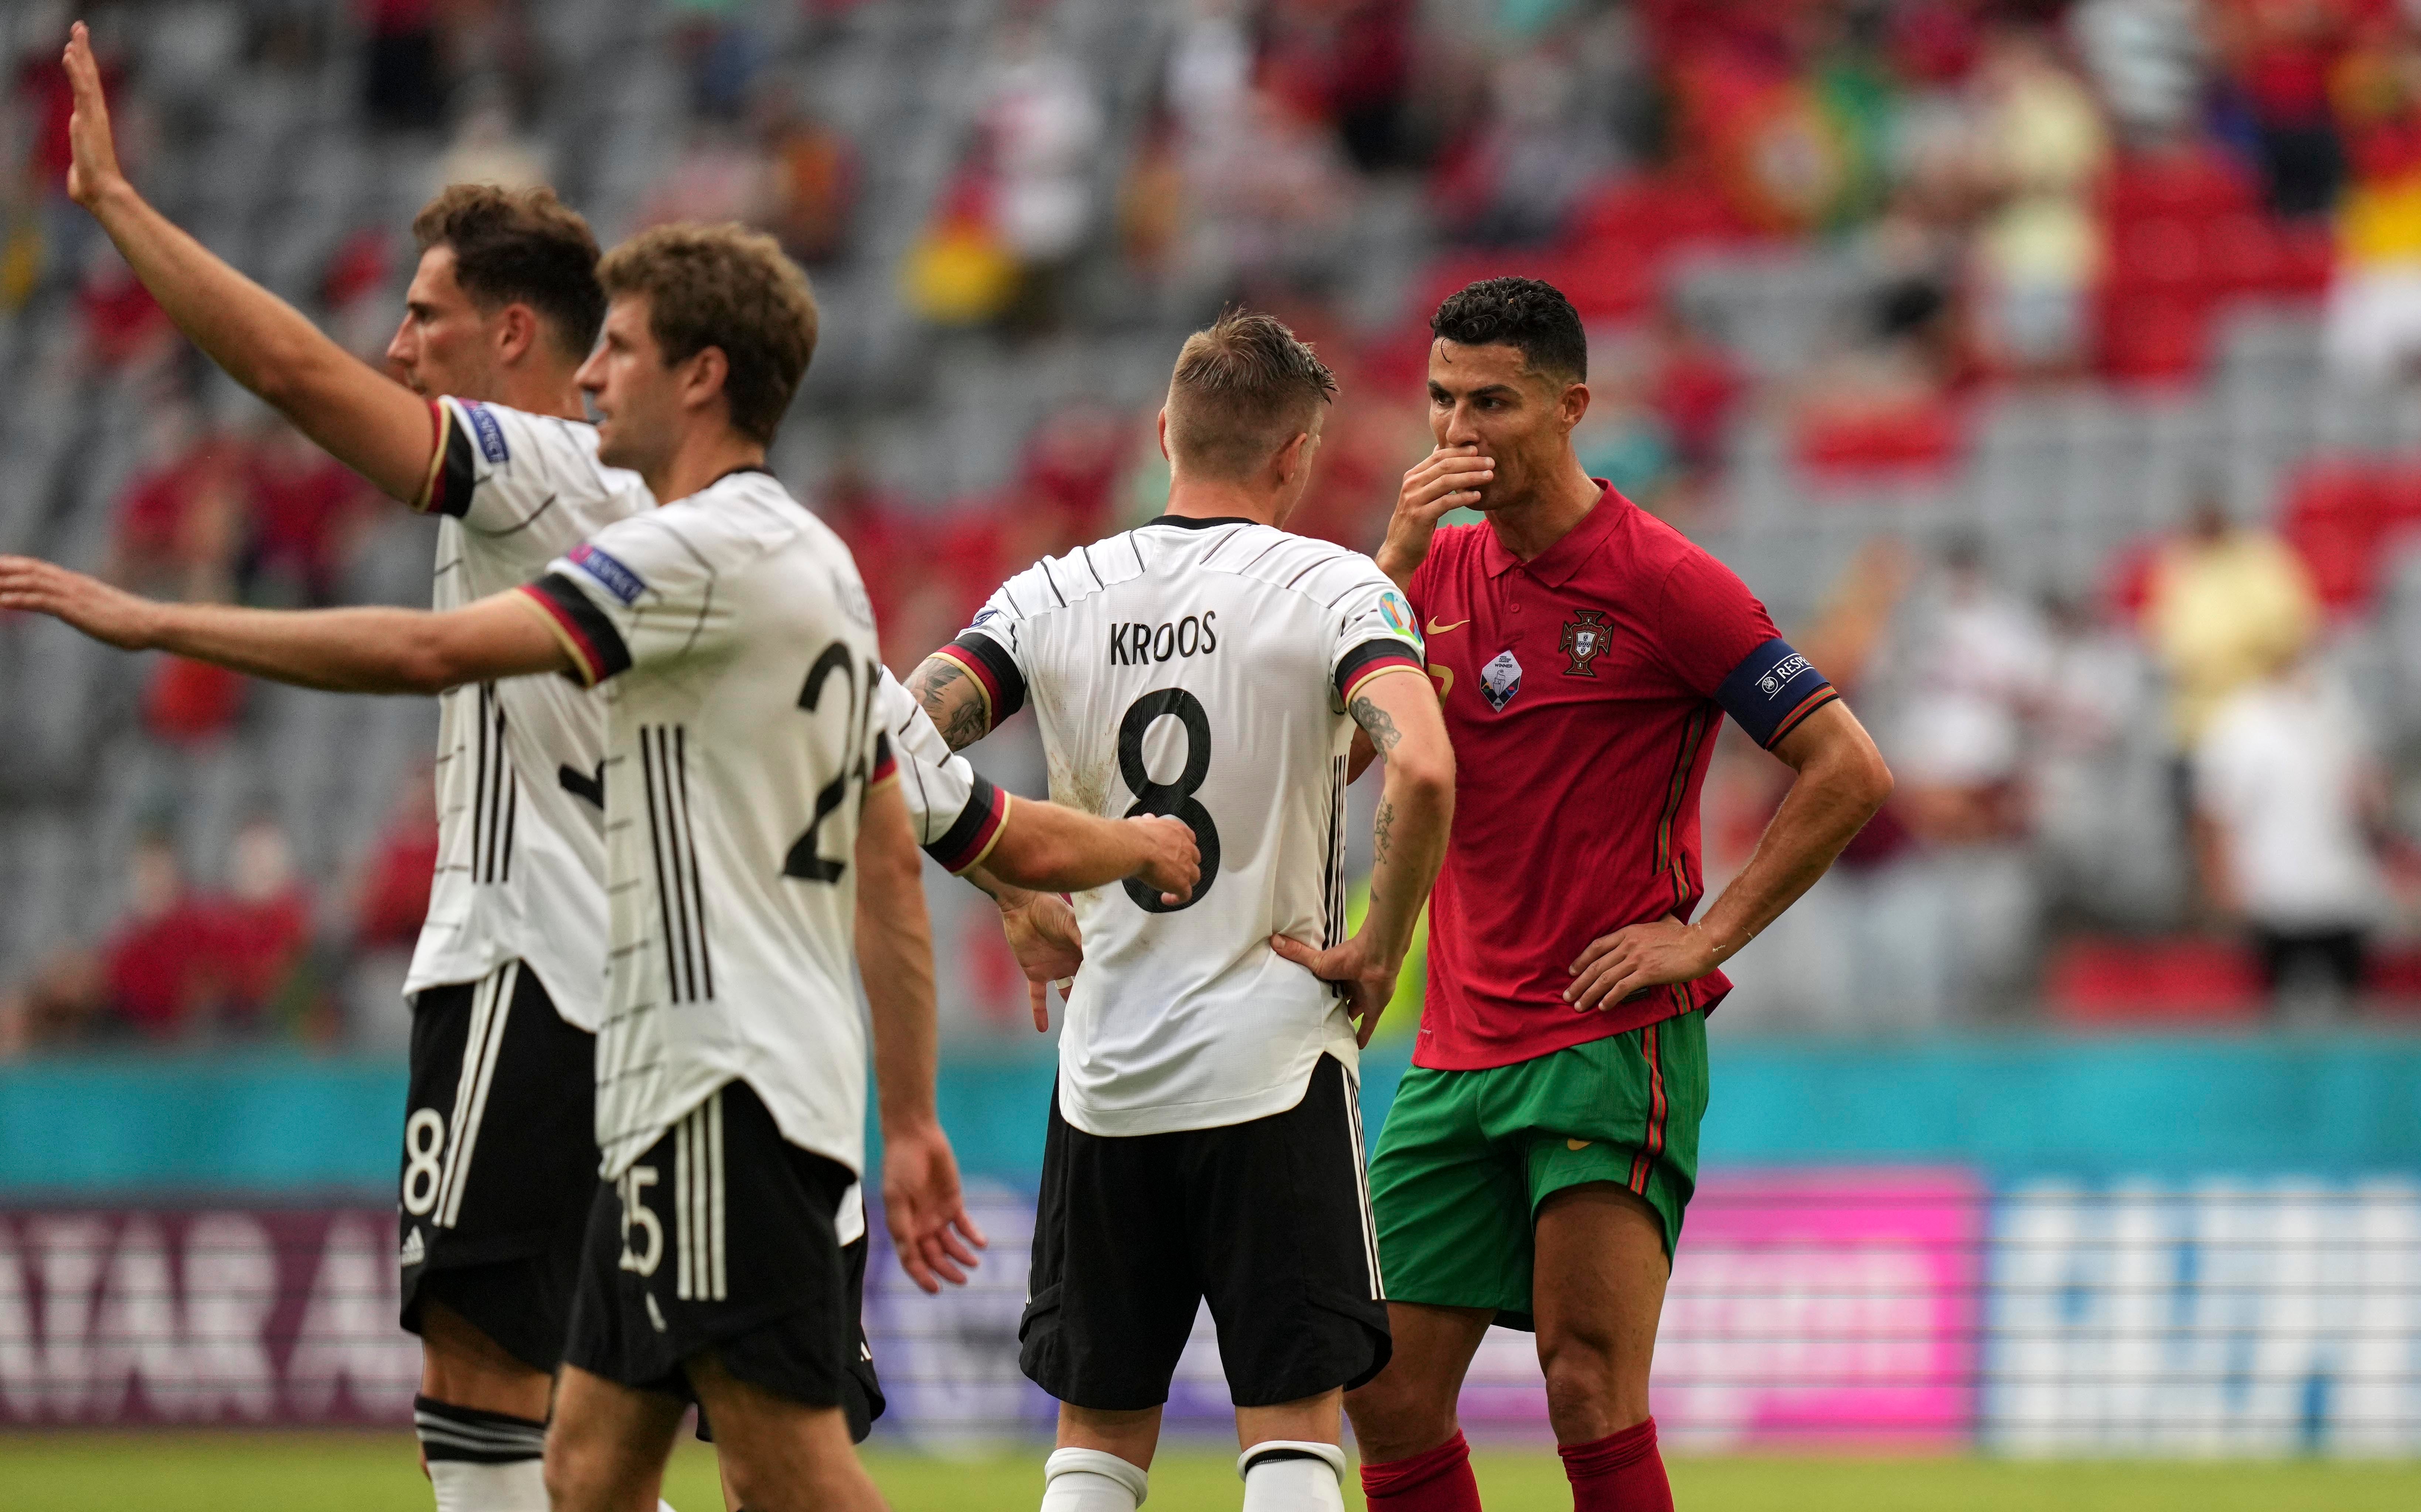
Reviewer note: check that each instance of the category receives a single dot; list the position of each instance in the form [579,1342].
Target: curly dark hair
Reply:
[1527,314]
[520,246]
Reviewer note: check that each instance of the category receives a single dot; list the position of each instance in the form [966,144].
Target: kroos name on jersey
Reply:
[1134,643]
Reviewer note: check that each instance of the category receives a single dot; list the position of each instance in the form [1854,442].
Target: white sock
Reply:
[1091,1480]
[481,1461]
[465,1486]
[1292,1475]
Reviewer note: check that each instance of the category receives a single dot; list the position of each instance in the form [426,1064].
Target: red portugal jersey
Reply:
[1582,691]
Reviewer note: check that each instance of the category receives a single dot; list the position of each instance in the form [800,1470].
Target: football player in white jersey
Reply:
[1204,1140]
[488,432]
[754,826]
[491,434]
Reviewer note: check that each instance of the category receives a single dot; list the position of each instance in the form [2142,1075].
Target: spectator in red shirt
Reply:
[261,929]
[159,966]
[393,896]
[303,506]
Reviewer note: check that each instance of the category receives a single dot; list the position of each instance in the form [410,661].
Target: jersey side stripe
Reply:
[482,786]
[500,986]
[669,942]
[716,1275]
[688,847]
[684,1232]
[1361,1186]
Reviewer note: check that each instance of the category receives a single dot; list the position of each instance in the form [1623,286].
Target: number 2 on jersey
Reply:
[1172,799]
[807,860]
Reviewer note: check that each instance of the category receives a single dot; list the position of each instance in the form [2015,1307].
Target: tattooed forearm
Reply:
[952,700]
[1384,734]
[1382,832]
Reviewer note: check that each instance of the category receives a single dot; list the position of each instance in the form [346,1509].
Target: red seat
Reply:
[1927,438]
[2153,339]
[2183,981]
[2163,257]
[2241,255]
[2194,184]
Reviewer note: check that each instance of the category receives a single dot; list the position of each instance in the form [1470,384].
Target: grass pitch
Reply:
[292,1473]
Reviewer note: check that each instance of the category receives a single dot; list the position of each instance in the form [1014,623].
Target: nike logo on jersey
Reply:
[1436,629]
[580,785]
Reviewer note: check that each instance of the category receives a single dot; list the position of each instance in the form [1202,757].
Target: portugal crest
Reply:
[1585,636]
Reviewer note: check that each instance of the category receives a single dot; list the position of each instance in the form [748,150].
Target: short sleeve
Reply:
[1720,641]
[490,468]
[991,650]
[957,813]
[636,594]
[1374,633]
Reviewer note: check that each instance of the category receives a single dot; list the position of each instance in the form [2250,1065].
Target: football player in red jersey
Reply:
[1537,1160]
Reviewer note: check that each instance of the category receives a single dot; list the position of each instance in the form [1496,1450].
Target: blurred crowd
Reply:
[2026,194]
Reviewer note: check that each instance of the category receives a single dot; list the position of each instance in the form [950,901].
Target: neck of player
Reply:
[1220,499]
[1530,525]
[539,388]
[705,453]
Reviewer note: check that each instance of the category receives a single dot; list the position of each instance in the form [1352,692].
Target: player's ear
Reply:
[708,372]
[516,333]
[1165,455]
[1294,459]
[1573,405]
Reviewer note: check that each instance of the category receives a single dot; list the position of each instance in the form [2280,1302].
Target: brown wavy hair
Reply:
[729,287]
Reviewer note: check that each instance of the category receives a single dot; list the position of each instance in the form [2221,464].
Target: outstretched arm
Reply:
[365,419]
[921,1199]
[345,650]
[1400,714]
[1049,849]
[1841,781]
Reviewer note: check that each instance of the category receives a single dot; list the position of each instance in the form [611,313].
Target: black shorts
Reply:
[720,1238]
[1269,1221]
[499,1161]
[864,1402]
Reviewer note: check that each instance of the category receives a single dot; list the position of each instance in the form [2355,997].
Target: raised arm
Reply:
[1446,479]
[1841,781]
[345,650]
[366,420]
[1399,709]
[921,1199]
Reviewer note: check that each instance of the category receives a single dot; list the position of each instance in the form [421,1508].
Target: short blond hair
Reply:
[729,287]
[1244,387]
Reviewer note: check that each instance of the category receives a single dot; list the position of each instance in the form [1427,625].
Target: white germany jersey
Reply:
[956,812]
[521,839]
[737,650]
[1198,668]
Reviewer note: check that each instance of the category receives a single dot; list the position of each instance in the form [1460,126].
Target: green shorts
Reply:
[1468,1156]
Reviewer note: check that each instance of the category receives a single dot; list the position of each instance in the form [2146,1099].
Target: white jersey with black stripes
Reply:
[520,843]
[737,650]
[958,814]
[1203,669]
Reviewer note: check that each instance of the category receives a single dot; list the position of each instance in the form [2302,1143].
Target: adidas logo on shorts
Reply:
[415,1249]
